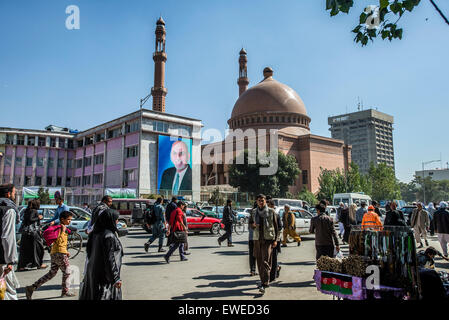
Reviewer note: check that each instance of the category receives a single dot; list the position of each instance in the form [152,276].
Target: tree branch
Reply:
[439,11]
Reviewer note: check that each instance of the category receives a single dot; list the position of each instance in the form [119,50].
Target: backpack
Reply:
[51,234]
[150,216]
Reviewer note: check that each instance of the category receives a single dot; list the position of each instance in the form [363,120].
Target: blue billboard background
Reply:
[164,149]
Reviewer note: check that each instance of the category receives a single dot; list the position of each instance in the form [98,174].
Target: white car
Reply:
[303,218]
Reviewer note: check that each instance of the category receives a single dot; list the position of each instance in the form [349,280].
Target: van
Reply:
[132,210]
[351,198]
[291,202]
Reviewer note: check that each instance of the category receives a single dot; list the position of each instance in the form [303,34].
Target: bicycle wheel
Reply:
[74,244]
[239,227]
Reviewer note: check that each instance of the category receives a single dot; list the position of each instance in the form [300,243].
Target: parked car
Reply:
[197,221]
[217,212]
[330,211]
[132,210]
[80,220]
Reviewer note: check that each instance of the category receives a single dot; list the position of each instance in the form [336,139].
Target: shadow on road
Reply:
[299,263]
[150,263]
[304,284]
[43,288]
[231,253]
[230,284]
[214,294]
[220,277]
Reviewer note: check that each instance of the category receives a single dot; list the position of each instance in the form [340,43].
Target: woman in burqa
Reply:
[104,253]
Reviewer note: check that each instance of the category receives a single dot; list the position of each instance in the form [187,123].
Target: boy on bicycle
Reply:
[59,259]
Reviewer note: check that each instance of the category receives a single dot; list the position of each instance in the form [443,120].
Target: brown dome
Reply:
[269,96]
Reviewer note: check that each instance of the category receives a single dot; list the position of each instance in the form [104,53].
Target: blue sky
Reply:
[80,78]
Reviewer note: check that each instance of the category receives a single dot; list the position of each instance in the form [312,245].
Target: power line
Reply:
[439,11]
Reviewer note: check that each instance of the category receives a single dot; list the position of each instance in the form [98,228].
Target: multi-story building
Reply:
[130,154]
[435,174]
[369,132]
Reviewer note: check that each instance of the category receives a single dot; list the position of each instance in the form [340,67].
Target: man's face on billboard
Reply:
[180,155]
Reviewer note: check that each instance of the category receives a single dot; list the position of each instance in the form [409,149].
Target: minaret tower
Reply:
[159,91]
[243,75]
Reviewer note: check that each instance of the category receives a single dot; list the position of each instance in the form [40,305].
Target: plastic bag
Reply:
[339,255]
[2,288]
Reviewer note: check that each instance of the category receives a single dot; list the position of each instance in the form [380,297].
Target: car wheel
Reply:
[215,228]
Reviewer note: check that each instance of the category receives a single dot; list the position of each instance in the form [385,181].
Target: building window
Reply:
[77,181]
[53,142]
[31,140]
[128,176]
[18,161]
[89,140]
[50,162]
[27,180]
[78,163]
[29,162]
[99,137]
[8,161]
[49,181]
[114,133]
[17,180]
[79,143]
[41,142]
[9,139]
[98,178]
[59,181]
[69,163]
[132,127]
[70,144]
[305,177]
[131,152]
[88,161]
[68,181]
[60,162]
[20,140]
[5,179]
[86,180]
[38,181]
[40,162]
[99,159]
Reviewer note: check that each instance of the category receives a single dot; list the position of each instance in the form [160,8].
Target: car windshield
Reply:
[292,203]
[80,214]
[193,213]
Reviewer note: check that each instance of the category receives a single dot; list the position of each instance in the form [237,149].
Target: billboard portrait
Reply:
[174,164]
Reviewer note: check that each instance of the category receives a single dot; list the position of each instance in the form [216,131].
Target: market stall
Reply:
[391,251]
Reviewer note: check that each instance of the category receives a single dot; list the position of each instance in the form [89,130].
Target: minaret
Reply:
[243,75]
[159,91]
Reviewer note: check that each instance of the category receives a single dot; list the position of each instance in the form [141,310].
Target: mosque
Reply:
[271,104]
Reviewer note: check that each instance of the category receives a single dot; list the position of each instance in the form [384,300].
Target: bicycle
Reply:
[74,241]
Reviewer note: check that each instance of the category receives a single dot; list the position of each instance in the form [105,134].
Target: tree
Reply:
[327,183]
[217,198]
[435,190]
[375,20]
[308,196]
[247,178]
[385,186]
[43,196]
[409,191]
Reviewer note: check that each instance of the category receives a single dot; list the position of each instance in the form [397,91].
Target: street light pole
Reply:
[423,183]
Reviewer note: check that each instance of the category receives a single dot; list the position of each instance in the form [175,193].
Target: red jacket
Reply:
[176,220]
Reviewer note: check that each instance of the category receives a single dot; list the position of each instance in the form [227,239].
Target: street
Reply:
[212,272]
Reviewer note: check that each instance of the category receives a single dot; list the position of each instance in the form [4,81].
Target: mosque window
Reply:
[264,119]
[289,119]
[252,120]
[271,119]
[283,119]
[277,119]
[258,120]
[247,120]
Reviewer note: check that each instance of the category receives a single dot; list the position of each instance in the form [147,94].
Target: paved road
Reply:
[212,272]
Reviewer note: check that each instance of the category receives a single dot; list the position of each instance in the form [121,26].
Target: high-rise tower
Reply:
[159,91]
[243,72]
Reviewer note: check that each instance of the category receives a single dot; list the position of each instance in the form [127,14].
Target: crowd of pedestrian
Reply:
[102,280]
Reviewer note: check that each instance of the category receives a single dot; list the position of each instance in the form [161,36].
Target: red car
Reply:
[197,221]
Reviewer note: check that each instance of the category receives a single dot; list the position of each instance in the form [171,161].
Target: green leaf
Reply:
[398,33]
[357,29]
[363,18]
[383,13]
[365,41]
[385,34]
[372,33]
[384,4]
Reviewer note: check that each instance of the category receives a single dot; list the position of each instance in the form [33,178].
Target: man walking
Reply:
[441,225]
[8,248]
[106,203]
[228,220]
[360,213]
[326,240]
[158,228]
[420,222]
[341,228]
[61,208]
[289,221]
[266,236]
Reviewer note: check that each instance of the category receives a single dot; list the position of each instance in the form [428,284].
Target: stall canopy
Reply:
[121,193]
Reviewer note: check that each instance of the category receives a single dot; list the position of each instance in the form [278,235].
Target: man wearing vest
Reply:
[371,220]
[266,236]
[8,249]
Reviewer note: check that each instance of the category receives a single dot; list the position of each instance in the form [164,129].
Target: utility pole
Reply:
[423,183]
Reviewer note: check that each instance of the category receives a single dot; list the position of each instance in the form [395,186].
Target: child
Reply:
[59,259]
